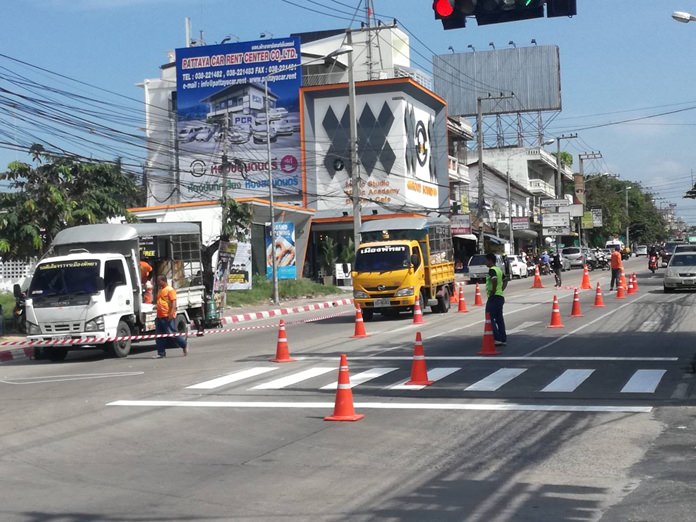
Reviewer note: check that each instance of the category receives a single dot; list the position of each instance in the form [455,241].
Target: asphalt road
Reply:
[592,421]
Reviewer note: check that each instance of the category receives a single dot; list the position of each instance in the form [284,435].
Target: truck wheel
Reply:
[443,302]
[121,348]
[56,354]
[368,315]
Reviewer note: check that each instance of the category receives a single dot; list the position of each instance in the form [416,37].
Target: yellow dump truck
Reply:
[401,260]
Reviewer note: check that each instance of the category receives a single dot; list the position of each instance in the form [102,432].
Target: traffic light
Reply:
[453,13]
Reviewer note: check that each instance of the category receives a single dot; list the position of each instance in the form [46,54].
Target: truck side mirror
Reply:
[17,291]
[414,259]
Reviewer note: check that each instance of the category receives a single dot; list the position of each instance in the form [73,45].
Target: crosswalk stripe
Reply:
[496,379]
[643,381]
[568,381]
[233,377]
[433,375]
[523,326]
[361,378]
[283,382]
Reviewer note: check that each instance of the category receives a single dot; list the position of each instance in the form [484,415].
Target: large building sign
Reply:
[221,113]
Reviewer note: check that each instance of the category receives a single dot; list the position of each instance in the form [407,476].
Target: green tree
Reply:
[55,193]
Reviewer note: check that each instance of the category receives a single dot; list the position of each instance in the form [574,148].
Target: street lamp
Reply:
[681,16]
[274,262]
[628,245]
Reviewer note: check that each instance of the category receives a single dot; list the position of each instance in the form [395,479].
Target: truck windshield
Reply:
[382,258]
[65,278]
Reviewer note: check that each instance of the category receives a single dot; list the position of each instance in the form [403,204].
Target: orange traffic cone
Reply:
[282,351]
[635,282]
[488,345]
[585,285]
[630,290]
[417,313]
[622,280]
[419,370]
[620,293]
[555,315]
[598,300]
[537,278]
[343,407]
[477,297]
[575,312]
[462,301]
[454,298]
[359,323]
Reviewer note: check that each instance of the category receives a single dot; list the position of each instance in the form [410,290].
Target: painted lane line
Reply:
[496,380]
[434,375]
[580,328]
[568,381]
[508,406]
[644,381]
[523,327]
[66,378]
[361,378]
[233,377]
[283,382]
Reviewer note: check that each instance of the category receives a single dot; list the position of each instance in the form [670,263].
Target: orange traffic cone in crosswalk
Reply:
[462,302]
[575,311]
[555,315]
[635,283]
[417,313]
[585,285]
[598,300]
[537,278]
[454,298]
[477,297]
[488,345]
[359,323]
[419,370]
[282,349]
[343,407]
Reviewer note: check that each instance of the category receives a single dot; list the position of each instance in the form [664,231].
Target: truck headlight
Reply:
[33,329]
[359,294]
[403,292]
[95,325]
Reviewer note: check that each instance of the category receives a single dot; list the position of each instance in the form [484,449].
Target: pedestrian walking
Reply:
[165,323]
[557,267]
[616,265]
[495,287]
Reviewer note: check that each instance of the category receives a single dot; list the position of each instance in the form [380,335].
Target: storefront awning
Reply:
[495,239]
[470,237]
[525,234]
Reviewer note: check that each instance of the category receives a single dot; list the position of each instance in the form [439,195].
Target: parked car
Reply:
[205,134]
[681,272]
[260,133]
[283,127]
[478,269]
[641,250]
[684,247]
[517,267]
[575,255]
[276,113]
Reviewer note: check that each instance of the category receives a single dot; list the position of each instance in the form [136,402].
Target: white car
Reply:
[517,267]
[260,133]
[276,113]
[641,250]
[478,269]
[681,272]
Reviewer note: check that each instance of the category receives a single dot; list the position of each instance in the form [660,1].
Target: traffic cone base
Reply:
[282,349]
[599,300]
[343,407]
[555,315]
[359,324]
[575,311]
[477,297]
[419,369]
[488,344]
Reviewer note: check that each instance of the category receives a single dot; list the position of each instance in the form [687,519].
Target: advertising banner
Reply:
[579,194]
[221,110]
[560,219]
[461,223]
[284,250]
[587,221]
[596,217]
[520,223]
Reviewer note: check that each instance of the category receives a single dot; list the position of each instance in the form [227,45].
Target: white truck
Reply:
[87,290]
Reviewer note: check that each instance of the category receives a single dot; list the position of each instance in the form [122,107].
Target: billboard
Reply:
[284,251]
[221,110]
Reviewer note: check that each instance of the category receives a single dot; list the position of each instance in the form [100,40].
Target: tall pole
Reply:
[559,179]
[512,236]
[274,261]
[354,159]
[479,139]
[628,244]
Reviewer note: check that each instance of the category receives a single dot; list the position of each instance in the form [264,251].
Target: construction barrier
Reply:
[419,370]
[343,406]
[585,285]
[359,323]
[599,300]
[282,349]
[555,315]
[488,344]
[537,278]
[477,297]
[575,311]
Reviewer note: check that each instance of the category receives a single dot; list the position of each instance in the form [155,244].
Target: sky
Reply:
[628,71]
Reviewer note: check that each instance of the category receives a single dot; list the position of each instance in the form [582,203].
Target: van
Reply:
[478,270]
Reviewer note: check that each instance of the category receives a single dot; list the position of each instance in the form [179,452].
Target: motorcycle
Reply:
[652,263]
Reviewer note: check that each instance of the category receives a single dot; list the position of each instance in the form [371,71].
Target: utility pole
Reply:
[559,180]
[581,158]
[479,138]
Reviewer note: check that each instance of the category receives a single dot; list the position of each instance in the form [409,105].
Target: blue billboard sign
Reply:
[221,113]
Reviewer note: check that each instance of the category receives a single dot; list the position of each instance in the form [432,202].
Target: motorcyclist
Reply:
[544,261]
[652,259]
[557,266]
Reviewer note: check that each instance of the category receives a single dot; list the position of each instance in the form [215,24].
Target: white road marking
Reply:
[361,378]
[433,375]
[64,378]
[496,379]
[649,326]
[283,382]
[233,377]
[643,381]
[523,326]
[487,358]
[451,406]
[568,381]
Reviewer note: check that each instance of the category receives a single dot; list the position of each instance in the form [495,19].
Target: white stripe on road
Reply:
[643,381]
[233,377]
[508,406]
[293,379]
[361,378]
[433,375]
[649,326]
[568,381]
[525,358]
[523,327]
[496,379]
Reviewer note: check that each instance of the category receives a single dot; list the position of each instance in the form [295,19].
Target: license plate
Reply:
[688,282]
[382,302]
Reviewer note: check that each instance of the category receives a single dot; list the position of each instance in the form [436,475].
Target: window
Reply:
[114,276]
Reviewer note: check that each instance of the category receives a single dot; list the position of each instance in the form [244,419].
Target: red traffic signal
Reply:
[443,8]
